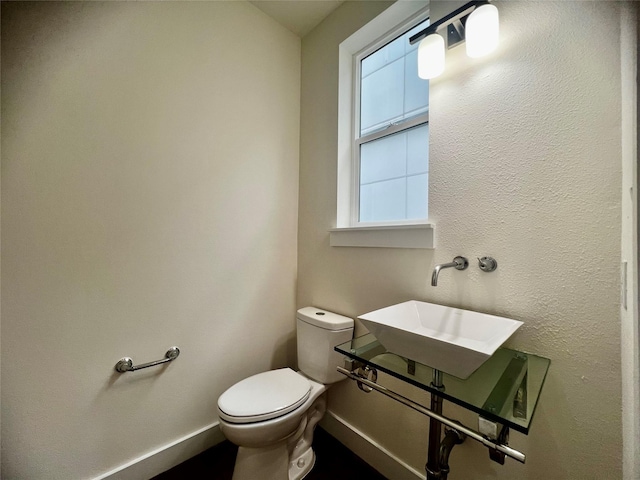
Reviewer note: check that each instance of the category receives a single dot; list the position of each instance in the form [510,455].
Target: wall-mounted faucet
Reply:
[459,263]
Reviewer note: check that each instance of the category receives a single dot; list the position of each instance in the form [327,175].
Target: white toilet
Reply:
[271,416]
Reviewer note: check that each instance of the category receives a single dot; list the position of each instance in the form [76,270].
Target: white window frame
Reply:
[387,26]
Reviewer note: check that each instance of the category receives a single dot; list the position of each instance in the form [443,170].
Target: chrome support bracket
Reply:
[456,32]
[351,364]
[411,367]
[496,432]
[361,370]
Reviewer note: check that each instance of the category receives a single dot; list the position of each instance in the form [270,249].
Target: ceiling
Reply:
[299,16]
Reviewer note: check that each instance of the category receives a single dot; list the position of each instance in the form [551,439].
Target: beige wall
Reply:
[526,167]
[149,187]
[630,332]
[149,199]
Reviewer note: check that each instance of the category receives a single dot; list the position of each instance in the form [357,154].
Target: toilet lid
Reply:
[264,396]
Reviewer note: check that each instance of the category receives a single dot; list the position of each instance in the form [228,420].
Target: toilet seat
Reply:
[264,396]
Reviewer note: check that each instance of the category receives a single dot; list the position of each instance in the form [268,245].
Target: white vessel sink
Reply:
[449,339]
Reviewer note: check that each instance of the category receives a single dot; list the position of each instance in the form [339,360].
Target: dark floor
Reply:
[333,461]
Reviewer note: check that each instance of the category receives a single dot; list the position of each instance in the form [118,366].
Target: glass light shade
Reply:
[482,30]
[431,56]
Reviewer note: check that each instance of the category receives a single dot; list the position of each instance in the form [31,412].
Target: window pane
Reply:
[378,59]
[416,90]
[417,196]
[394,176]
[383,201]
[383,159]
[382,96]
[390,89]
[418,150]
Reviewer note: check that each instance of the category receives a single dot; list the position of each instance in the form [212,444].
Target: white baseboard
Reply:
[167,456]
[368,449]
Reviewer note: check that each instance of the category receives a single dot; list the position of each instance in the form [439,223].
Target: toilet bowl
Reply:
[271,416]
[280,445]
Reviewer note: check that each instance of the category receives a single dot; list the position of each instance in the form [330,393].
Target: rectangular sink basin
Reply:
[449,339]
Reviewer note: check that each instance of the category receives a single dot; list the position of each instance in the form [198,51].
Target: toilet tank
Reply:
[318,331]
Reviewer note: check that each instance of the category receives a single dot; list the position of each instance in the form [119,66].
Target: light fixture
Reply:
[476,21]
[482,30]
[431,56]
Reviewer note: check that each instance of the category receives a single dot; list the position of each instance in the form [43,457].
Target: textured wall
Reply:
[525,166]
[149,198]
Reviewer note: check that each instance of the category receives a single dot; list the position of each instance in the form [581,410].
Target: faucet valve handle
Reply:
[487,264]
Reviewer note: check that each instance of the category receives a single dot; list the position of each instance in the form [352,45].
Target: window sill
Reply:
[390,236]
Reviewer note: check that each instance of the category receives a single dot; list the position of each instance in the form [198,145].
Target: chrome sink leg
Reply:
[437,467]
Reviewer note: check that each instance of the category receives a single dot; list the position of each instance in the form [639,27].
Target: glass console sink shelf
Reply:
[505,389]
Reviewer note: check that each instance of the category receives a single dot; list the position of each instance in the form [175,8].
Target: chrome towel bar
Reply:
[515,454]
[125,364]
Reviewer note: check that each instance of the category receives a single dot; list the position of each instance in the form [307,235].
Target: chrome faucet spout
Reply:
[436,272]
[459,263]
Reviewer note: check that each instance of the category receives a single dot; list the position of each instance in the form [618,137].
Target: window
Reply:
[391,147]
[383,130]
